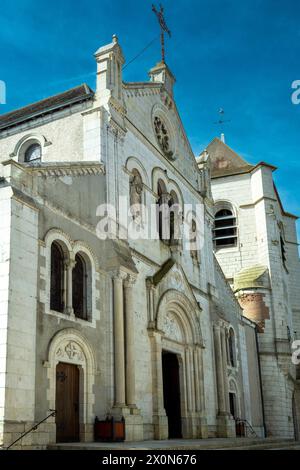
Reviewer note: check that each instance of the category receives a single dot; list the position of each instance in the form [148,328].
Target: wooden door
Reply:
[67,402]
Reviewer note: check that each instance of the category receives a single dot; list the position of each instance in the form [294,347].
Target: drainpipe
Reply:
[260,381]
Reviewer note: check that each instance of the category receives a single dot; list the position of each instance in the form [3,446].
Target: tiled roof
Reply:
[224,161]
[72,96]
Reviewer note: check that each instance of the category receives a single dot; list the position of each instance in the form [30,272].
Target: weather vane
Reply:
[163,29]
[221,119]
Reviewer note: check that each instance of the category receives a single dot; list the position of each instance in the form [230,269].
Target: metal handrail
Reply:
[34,428]
[248,425]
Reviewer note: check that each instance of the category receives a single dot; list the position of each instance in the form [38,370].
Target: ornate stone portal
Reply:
[177,331]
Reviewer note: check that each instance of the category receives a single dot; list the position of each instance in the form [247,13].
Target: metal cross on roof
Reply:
[163,29]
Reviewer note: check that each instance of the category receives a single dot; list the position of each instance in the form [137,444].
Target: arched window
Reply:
[57,278]
[174,209]
[79,288]
[231,348]
[225,229]
[193,241]
[162,212]
[33,153]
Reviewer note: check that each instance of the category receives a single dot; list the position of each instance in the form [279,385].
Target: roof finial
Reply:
[163,29]
[223,138]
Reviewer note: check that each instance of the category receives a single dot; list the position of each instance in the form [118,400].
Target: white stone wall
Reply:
[259,217]
[65,136]
[5,242]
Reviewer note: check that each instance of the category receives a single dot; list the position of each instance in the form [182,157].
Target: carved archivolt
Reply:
[177,318]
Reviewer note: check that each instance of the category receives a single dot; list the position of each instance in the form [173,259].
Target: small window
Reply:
[33,153]
[225,229]
[57,278]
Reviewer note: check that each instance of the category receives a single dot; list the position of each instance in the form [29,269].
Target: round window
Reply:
[163,137]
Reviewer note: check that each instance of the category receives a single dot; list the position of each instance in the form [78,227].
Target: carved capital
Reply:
[129,281]
[119,276]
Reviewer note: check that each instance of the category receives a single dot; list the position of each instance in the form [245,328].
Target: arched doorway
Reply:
[178,385]
[71,376]
[171,392]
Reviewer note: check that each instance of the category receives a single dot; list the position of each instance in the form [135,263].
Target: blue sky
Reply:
[238,55]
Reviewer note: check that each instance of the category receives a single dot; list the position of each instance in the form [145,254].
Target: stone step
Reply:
[181,444]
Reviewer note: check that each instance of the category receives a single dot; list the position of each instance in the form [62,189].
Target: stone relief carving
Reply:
[176,279]
[136,190]
[171,328]
[70,350]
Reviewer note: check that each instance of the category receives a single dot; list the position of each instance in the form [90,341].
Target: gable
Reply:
[146,101]
[171,276]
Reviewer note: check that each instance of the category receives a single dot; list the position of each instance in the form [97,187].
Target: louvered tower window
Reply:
[283,250]
[225,229]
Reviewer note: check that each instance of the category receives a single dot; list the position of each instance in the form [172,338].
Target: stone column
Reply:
[65,292]
[203,423]
[193,384]
[197,381]
[129,335]
[68,284]
[219,370]
[188,380]
[119,349]
[201,380]
[150,293]
[224,357]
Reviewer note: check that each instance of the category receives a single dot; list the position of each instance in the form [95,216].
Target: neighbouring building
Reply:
[256,245]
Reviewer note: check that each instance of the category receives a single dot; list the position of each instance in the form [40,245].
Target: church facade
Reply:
[106,310]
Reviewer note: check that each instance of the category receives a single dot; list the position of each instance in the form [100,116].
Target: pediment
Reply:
[171,276]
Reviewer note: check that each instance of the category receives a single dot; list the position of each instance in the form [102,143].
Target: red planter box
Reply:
[109,430]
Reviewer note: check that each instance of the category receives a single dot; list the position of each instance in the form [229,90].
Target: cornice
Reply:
[69,169]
